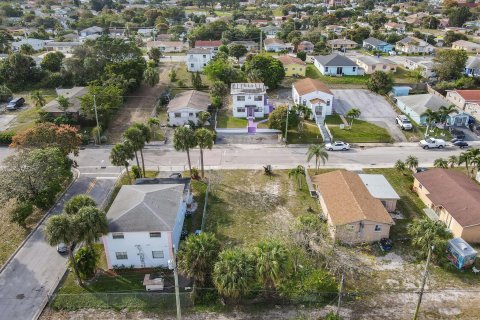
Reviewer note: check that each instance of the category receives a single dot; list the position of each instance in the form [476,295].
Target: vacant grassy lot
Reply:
[247,205]
[361,131]
[312,72]
[310,134]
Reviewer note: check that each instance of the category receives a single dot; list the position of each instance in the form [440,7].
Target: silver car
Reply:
[337,146]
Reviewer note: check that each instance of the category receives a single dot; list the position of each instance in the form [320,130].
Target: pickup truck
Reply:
[432,143]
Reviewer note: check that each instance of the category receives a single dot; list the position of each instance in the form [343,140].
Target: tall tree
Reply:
[151,75]
[63,104]
[38,99]
[237,50]
[467,158]
[198,255]
[452,161]
[271,70]
[411,162]
[445,111]
[147,136]
[440,163]
[272,263]
[380,82]
[91,223]
[353,114]
[155,54]
[427,232]
[61,229]
[52,61]
[136,141]
[204,138]
[184,140]
[120,154]
[400,165]
[318,151]
[298,173]
[234,273]
[450,64]
[73,206]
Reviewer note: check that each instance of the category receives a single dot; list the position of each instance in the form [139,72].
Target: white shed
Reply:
[379,188]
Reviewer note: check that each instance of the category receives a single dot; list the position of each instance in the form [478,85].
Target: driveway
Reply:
[34,272]
[374,108]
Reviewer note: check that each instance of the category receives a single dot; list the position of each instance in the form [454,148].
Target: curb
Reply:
[76,176]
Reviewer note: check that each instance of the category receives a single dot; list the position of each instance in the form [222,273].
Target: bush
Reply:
[6,137]
[86,260]
[5,93]
[21,212]
[136,171]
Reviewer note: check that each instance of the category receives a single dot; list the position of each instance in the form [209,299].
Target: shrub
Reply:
[21,212]
[136,171]
[6,137]
[86,259]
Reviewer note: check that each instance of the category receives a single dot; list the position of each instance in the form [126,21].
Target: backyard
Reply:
[351,81]
[360,132]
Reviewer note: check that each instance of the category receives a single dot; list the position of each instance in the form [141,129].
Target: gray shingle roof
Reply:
[375,42]
[421,102]
[473,63]
[334,60]
[191,99]
[151,207]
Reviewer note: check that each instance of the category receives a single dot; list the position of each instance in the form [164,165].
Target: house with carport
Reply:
[453,198]
[186,107]
[353,214]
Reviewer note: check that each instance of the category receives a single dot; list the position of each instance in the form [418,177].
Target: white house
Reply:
[37,44]
[422,64]
[145,221]
[198,58]
[335,64]
[168,46]
[91,31]
[415,105]
[313,94]
[413,45]
[275,45]
[63,47]
[250,100]
[186,107]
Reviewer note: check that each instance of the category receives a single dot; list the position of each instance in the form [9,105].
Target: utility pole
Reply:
[425,274]
[96,117]
[340,295]
[172,264]
[286,124]
[261,41]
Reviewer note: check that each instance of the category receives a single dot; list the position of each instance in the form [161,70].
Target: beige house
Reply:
[468,46]
[372,64]
[463,98]
[353,214]
[341,44]
[452,197]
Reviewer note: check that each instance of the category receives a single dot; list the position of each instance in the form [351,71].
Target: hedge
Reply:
[6,137]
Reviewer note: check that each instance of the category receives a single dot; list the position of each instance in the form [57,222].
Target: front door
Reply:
[250,111]
[319,110]
[339,70]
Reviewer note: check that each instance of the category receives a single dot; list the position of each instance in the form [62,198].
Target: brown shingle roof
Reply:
[348,200]
[308,85]
[286,60]
[455,192]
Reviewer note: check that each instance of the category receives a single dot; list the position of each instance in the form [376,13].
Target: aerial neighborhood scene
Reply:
[251,159]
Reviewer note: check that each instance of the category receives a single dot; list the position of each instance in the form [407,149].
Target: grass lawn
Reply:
[309,135]
[403,75]
[246,206]
[361,132]
[312,72]
[224,120]
[184,78]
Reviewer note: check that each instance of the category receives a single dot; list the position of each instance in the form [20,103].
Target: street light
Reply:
[172,265]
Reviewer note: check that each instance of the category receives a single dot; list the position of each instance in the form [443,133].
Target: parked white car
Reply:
[392,53]
[432,143]
[403,122]
[337,146]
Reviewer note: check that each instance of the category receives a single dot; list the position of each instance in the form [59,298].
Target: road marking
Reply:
[91,186]
[106,178]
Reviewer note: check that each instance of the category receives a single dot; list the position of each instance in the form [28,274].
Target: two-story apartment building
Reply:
[198,58]
[313,94]
[145,222]
[250,100]
[336,65]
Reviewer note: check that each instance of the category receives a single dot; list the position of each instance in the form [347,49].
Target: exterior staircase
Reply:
[320,121]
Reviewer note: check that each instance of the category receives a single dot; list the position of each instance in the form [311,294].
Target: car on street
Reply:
[457,134]
[392,53]
[62,248]
[16,103]
[337,146]
[175,175]
[461,144]
[431,143]
[403,122]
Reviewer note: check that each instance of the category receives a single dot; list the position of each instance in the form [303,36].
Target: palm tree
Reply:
[400,165]
[352,114]
[184,140]
[445,111]
[147,137]
[61,229]
[91,223]
[38,99]
[298,173]
[411,162]
[452,161]
[431,117]
[427,232]
[136,140]
[203,117]
[204,138]
[120,154]
[77,202]
[234,273]
[198,255]
[467,158]
[271,263]
[318,151]
[440,163]
[152,124]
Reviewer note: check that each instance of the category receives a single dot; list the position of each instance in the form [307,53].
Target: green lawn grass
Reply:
[312,72]
[309,135]
[361,131]
[224,120]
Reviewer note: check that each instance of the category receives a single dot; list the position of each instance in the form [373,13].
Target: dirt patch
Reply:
[139,106]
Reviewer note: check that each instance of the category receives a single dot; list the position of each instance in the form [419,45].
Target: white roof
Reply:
[378,186]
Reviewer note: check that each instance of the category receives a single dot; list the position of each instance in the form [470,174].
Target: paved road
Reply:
[374,108]
[35,270]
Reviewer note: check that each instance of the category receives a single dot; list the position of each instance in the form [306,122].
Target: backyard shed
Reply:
[460,253]
[400,91]
[379,188]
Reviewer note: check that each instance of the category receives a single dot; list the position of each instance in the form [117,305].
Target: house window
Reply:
[258,109]
[241,98]
[155,234]
[157,255]
[328,102]
[373,67]
[326,69]
[121,255]
[258,98]
[350,227]
[293,68]
[191,114]
[191,65]
[241,109]
[177,115]
[378,228]
[117,235]
[420,186]
[204,56]
[354,69]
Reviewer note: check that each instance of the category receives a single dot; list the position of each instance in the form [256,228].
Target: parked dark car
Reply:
[421,169]
[176,175]
[459,134]
[455,140]
[15,103]
[386,244]
[461,144]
